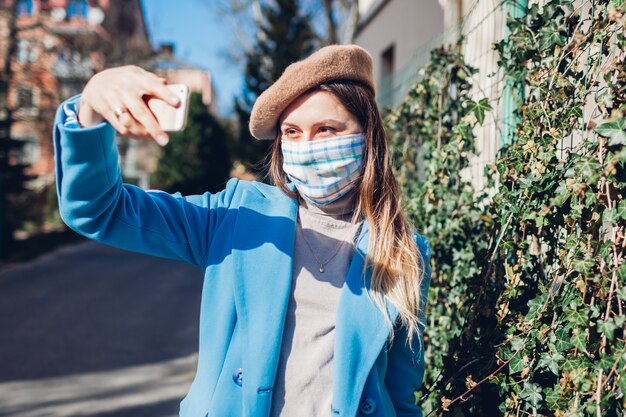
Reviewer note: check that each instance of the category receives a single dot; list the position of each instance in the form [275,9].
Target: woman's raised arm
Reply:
[92,198]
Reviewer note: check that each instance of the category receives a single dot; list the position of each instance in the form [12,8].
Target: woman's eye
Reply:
[328,129]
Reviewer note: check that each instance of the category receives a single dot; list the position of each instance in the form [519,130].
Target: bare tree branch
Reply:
[331,24]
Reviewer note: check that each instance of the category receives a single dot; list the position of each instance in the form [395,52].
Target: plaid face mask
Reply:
[323,170]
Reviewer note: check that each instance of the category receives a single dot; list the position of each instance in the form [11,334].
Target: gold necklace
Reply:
[322,264]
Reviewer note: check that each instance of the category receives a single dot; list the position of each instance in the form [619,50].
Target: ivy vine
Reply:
[527,301]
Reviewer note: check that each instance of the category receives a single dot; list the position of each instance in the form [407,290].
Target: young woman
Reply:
[314,287]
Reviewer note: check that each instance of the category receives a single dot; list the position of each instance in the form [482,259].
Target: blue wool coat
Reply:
[243,239]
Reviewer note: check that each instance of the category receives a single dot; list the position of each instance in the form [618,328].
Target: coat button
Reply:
[238,376]
[367,406]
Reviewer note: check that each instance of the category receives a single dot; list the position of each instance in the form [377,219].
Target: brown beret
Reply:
[332,62]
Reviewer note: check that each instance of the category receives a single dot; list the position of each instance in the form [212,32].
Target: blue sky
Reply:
[202,36]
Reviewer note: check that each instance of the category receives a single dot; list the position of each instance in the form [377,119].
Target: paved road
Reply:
[94,331]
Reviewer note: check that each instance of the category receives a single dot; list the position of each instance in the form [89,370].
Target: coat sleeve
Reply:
[94,202]
[405,368]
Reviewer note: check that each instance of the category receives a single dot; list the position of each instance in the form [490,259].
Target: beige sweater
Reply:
[303,385]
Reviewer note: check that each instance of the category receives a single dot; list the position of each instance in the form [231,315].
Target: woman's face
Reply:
[317,115]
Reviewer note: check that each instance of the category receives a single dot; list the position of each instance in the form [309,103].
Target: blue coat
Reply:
[243,239]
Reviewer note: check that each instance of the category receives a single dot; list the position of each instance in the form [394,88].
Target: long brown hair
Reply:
[397,264]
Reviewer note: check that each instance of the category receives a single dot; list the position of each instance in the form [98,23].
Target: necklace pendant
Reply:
[322,269]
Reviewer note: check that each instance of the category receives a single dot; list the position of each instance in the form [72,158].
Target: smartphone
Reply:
[170,118]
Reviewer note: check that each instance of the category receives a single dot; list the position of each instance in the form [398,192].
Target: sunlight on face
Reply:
[317,115]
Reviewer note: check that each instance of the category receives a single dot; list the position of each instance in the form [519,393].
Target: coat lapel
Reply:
[361,332]
[266,226]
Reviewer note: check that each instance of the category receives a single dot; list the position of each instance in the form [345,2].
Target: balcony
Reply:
[76,67]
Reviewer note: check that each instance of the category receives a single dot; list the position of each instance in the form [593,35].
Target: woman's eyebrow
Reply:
[317,123]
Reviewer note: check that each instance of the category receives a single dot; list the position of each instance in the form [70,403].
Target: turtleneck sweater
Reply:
[324,234]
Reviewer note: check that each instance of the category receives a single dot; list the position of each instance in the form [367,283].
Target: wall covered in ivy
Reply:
[526,311]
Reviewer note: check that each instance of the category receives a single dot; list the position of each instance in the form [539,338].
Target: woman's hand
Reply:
[119,96]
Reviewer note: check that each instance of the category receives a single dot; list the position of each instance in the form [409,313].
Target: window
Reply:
[30,151]
[70,88]
[26,51]
[387,67]
[388,61]
[24,7]
[77,8]
[25,98]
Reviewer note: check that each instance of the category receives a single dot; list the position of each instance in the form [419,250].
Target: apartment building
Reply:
[60,45]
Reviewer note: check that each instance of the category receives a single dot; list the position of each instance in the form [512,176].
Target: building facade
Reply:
[60,45]
[394,32]
[400,35]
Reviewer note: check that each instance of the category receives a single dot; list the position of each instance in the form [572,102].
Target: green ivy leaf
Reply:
[621,384]
[607,327]
[550,361]
[610,216]
[576,111]
[569,364]
[502,407]
[588,168]
[463,130]
[532,393]
[553,395]
[541,221]
[517,364]
[575,316]
[534,307]
[621,210]
[517,343]
[562,342]
[580,341]
[614,131]
[550,36]
[606,362]
[583,266]
[479,108]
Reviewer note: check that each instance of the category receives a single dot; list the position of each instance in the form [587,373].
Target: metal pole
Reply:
[512,92]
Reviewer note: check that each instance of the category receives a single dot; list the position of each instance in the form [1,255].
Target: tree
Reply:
[336,24]
[196,160]
[284,36]
[341,20]
[12,173]
[125,26]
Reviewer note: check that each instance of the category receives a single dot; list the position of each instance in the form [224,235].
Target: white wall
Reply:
[408,24]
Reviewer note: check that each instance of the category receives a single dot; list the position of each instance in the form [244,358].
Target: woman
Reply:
[307,282]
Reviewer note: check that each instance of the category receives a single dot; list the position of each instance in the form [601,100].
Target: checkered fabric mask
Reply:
[323,170]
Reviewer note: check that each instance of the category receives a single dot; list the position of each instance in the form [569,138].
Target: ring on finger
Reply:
[119,111]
